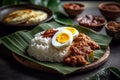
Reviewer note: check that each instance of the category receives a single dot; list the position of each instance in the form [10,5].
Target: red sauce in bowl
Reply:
[112,7]
[73,9]
[72,6]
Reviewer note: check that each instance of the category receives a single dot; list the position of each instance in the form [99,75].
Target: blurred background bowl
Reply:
[112,30]
[73,9]
[111,10]
[94,22]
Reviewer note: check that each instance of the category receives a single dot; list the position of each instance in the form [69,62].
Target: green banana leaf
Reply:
[53,5]
[19,41]
[63,19]
[109,73]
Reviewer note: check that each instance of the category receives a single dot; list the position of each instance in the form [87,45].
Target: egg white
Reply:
[65,28]
[59,45]
[75,34]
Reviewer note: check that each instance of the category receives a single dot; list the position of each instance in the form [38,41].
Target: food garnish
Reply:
[49,33]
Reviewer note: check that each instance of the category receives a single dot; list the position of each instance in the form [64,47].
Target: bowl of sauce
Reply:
[113,29]
[110,10]
[73,9]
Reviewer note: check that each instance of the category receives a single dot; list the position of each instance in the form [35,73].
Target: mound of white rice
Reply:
[41,48]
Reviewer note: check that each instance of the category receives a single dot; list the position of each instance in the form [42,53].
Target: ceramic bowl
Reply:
[94,22]
[112,30]
[73,9]
[111,10]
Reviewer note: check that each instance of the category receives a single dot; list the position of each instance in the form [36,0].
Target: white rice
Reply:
[41,48]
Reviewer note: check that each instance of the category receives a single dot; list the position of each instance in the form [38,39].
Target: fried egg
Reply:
[62,39]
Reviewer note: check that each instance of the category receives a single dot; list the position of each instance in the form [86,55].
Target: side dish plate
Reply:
[5,10]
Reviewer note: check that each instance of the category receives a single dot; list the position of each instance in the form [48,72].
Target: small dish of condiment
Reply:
[110,10]
[73,9]
[113,29]
[94,22]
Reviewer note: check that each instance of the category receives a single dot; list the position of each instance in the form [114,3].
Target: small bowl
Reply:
[110,29]
[94,22]
[73,9]
[111,10]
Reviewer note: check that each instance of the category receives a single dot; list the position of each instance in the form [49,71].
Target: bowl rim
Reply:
[105,3]
[81,8]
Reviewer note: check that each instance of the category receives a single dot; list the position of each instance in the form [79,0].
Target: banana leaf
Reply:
[53,5]
[62,19]
[109,73]
[19,41]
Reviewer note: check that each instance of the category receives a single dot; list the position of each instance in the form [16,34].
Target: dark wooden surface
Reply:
[10,69]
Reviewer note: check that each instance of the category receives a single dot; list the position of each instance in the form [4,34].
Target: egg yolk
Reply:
[62,38]
[71,30]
